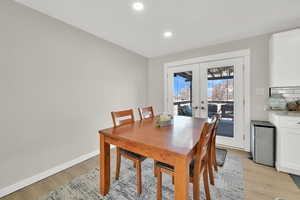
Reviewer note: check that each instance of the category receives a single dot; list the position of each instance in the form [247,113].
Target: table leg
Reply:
[181,179]
[104,166]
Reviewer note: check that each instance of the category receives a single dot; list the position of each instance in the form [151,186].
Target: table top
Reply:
[180,137]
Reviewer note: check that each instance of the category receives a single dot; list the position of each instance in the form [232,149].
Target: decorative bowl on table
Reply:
[164,120]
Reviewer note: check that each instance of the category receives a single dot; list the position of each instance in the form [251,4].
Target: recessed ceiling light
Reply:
[138,6]
[168,34]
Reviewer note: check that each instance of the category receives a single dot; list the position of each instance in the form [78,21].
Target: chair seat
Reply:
[171,168]
[132,154]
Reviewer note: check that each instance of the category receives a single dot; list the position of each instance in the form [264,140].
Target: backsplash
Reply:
[289,93]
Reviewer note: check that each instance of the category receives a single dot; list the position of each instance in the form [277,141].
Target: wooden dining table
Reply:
[174,145]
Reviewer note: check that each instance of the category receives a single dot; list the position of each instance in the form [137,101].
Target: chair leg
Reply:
[206,184]
[173,181]
[154,168]
[158,185]
[138,177]
[118,163]
[210,171]
[196,187]
[215,163]
[214,156]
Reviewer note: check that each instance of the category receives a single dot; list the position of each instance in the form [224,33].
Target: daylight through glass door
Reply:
[182,93]
[220,98]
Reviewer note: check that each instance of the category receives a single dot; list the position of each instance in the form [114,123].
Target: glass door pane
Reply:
[183,90]
[220,98]
[182,93]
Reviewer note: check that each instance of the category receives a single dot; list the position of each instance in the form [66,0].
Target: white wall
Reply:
[58,86]
[259,77]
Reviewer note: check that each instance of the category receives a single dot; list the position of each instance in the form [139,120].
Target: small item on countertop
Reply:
[277,102]
[294,106]
[164,120]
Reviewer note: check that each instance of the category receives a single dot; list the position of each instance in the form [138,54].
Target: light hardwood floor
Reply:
[261,183]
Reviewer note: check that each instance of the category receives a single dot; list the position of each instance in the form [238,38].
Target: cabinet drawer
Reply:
[290,122]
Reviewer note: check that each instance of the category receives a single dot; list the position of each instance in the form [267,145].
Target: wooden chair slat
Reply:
[122,117]
[146,112]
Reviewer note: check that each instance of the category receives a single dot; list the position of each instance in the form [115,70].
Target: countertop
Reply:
[285,113]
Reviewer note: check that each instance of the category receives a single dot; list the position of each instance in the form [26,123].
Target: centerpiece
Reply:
[164,120]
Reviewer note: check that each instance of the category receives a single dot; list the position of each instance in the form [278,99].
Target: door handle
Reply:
[202,108]
[195,107]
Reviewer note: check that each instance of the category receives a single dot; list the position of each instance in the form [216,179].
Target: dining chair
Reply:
[119,119]
[198,166]
[146,112]
[212,161]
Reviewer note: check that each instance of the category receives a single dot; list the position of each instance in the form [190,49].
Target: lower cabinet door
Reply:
[290,150]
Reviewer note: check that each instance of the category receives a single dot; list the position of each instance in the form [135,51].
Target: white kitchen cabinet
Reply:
[285,59]
[288,141]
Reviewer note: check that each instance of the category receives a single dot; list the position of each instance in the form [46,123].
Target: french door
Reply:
[222,91]
[204,89]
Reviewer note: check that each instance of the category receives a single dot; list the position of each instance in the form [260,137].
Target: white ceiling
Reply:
[195,23]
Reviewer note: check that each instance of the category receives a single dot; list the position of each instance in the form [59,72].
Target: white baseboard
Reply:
[290,169]
[230,147]
[28,181]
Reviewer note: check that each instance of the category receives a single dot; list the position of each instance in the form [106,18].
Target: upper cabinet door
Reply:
[285,59]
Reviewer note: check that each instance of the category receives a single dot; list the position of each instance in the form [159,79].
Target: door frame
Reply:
[245,54]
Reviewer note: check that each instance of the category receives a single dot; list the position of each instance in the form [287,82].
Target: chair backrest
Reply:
[146,112]
[216,119]
[122,117]
[203,148]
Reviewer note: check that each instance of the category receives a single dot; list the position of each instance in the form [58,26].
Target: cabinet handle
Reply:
[298,123]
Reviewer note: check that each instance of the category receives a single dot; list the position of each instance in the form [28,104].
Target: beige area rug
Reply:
[229,184]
